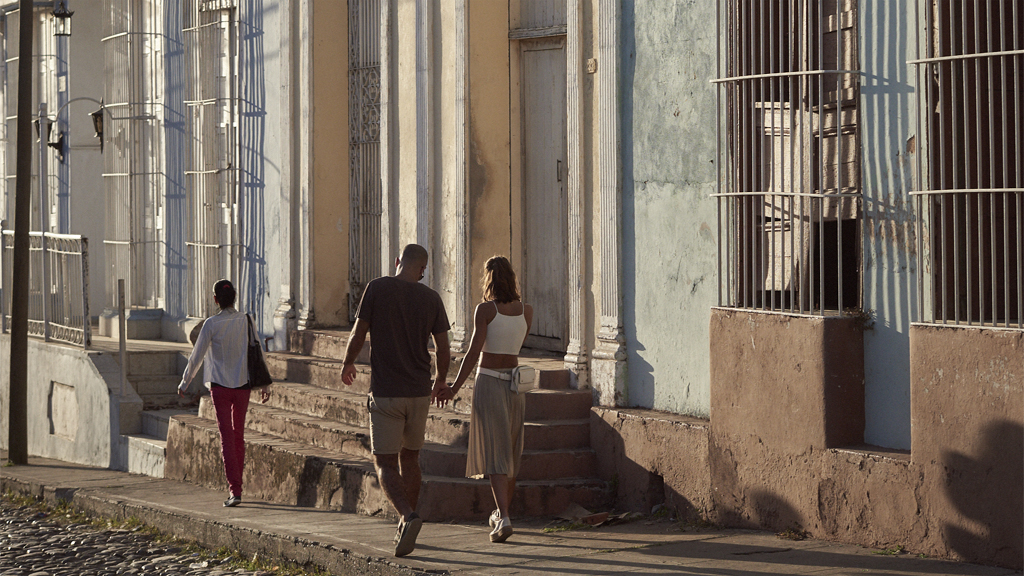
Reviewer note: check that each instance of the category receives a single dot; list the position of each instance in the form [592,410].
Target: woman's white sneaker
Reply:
[502,530]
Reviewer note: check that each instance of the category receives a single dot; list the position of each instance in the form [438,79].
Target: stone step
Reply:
[450,461]
[301,428]
[155,384]
[155,363]
[291,473]
[154,422]
[168,401]
[322,372]
[440,459]
[146,454]
[329,344]
[332,418]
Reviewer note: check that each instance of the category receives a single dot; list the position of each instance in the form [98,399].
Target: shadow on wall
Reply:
[633,486]
[252,133]
[987,489]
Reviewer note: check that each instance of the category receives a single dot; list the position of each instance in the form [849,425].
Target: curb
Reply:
[214,535]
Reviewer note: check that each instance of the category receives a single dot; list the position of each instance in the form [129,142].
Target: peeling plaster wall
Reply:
[889,143]
[669,219]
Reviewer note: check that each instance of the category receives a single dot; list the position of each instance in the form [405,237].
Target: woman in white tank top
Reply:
[501,323]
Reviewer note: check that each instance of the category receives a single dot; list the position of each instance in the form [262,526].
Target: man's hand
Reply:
[264,394]
[441,393]
[348,374]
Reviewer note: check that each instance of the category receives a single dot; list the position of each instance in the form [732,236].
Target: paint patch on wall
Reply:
[63,410]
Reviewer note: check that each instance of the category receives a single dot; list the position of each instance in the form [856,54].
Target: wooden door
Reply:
[545,150]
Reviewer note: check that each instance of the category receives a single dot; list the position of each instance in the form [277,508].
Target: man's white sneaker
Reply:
[502,530]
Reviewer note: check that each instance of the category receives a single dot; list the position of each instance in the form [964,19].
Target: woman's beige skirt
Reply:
[495,428]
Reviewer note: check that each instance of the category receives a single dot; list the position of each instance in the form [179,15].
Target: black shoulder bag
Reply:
[259,375]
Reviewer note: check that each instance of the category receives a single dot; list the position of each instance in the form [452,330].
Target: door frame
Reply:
[517,204]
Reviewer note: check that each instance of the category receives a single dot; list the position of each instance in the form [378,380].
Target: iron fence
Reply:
[66,316]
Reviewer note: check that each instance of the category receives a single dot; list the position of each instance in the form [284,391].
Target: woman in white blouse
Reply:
[221,349]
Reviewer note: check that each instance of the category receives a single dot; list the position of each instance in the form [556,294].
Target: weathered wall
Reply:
[74,408]
[669,221]
[967,388]
[889,144]
[330,162]
[653,458]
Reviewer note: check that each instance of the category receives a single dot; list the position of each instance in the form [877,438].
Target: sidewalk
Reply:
[353,544]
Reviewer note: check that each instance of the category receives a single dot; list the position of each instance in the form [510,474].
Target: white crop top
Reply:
[505,334]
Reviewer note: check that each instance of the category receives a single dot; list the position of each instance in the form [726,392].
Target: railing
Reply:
[61,310]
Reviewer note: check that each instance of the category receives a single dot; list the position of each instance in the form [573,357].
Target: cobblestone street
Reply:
[33,544]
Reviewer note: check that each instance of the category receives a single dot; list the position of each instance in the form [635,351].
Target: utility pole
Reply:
[17,436]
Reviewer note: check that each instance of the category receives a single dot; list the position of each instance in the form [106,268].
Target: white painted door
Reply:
[545,249]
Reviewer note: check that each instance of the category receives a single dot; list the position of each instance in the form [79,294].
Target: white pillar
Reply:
[425,128]
[461,328]
[388,180]
[284,314]
[304,292]
[609,366]
[576,353]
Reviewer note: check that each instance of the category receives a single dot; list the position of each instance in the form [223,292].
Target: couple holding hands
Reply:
[402,315]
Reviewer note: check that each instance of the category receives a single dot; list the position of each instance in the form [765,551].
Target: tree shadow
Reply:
[987,489]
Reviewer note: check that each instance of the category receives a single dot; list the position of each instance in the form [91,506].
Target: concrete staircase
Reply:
[154,374]
[309,445]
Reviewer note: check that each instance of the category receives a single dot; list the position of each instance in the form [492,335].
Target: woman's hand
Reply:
[264,394]
[441,393]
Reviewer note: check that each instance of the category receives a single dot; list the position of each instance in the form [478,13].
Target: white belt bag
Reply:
[521,379]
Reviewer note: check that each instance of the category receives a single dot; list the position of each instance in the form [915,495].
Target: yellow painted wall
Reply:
[330,162]
[489,136]
[404,140]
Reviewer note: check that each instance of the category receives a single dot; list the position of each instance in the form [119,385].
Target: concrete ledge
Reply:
[653,458]
[214,534]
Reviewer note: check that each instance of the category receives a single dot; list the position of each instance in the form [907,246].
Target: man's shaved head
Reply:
[414,255]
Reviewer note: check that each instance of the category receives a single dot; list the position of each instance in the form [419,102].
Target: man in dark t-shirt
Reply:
[402,315]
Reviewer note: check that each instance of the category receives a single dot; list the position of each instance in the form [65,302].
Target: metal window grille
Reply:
[364,145]
[132,151]
[45,89]
[66,317]
[789,199]
[971,172]
[212,175]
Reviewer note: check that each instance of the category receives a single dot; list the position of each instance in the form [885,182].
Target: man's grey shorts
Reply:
[397,423]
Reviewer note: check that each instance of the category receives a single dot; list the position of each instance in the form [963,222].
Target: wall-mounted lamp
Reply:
[97,124]
[58,146]
[61,18]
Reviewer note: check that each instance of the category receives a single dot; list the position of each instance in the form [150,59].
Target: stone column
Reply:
[610,353]
[425,129]
[387,175]
[284,314]
[576,354]
[461,329]
[304,230]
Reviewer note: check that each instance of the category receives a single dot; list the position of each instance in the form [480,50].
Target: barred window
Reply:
[212,168]
[788,156]
[971,112]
